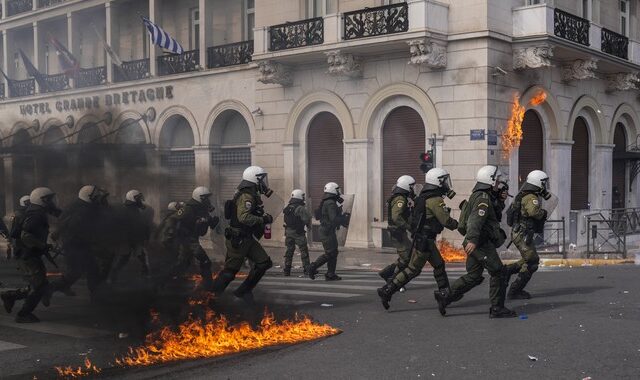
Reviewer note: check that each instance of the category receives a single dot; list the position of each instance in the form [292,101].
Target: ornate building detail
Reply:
[622,82]
[580,69]
[343,64]
[532,57]
[428,53]
[272,72]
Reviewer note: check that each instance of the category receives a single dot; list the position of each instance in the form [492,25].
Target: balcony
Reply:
[22,88]
[378,21]
[296,34]
[92,77]
[368,31]
[49,3]
[574,38]
[131,70]
[179,63]
[58,82]
[229,54]
[15,7]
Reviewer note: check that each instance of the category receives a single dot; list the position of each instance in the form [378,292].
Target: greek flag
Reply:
[162,38]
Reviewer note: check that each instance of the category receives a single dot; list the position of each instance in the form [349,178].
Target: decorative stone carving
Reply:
[343,64]
[580,69]
[428,53]
[532,57]
[622,82]
[272,72]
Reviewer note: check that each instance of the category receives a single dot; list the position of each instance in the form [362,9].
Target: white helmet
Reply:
[254,174]
[298,194]
[406,182]
[539,179]
[438,177]
[134,196]
[489,175]
[200,194]
[25,200]
[86,193]
[332,188]
[42,196]
[172,206]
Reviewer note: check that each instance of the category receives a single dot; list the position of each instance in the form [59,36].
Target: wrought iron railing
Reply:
[296,34]
[48,3]
[377,21]
[15,7]
[131,70]
[552,240]
[571,27]
[94,76]
[54,83]
[179,63]
[229,54]
[20,88]
[615,44]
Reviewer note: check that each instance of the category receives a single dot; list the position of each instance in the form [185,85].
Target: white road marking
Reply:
[312,294]
[55,328]
[315,285]
[8,346]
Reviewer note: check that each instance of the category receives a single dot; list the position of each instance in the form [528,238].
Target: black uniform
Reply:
[331,219]
[136,234]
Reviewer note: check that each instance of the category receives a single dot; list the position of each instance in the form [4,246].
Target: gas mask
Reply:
[52,207]
[446,187]
[263,185]
[544,192]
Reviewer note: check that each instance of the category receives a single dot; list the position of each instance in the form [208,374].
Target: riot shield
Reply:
[273,205]
[550,204]
[347,207]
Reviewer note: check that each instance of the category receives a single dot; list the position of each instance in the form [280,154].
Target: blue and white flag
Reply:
[162,38]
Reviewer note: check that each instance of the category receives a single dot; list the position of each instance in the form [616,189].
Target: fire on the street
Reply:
[214,336]
[74,373]
[451,254]
[512,136]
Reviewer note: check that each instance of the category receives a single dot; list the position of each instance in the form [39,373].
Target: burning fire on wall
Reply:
[512,136]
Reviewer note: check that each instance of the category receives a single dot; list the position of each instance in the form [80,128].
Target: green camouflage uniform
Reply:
[246,228]
[295,234]
[482,229]
[399,223]
[331,220]
[436,214]
[532,218]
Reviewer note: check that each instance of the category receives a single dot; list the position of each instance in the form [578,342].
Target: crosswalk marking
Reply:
[314,285]
[312,293]
[55,328]
[285,301]
[8,346]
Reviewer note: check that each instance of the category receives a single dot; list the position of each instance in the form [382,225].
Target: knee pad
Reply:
[478,281]
[532,268]
[264,265]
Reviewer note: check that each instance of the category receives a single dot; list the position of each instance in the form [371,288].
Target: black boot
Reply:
[331,269]
[245,290]
[27,318]
[501,312]
[223,280]
[207,276]
[442,297]
[387,273]
[286,271]
[8,300]
[516,291]
[385,293]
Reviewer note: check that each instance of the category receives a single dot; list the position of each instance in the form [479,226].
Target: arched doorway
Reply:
[178,159]
[325,154]
[403,140]
[55,166]
[129,158]
[619,170]
[530,153]
[580,166]
[23,165]
[91,157]
[231,140]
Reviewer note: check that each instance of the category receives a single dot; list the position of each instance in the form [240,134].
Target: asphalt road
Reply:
[583,322]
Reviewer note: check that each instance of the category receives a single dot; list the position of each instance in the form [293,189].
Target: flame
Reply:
[214,336]
[512,137]
[71,373]
[451,254]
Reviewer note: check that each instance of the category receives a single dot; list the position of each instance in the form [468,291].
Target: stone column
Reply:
[356,181]
[203,165]
[71,43]
[36,49]
[601,177]
[206,30]
[5,59]
[9,196]
[292,180]
[153,50]
[154,199]
[4,9]
[108,19]
[560,176]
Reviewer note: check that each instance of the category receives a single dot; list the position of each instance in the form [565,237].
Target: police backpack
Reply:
[514,211]
[464,215]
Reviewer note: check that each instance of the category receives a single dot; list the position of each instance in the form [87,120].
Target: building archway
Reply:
[231,153]
[178,159]
[619,171]
[54,165]
[531,150]
[129,158]
[24,176]
[580,161]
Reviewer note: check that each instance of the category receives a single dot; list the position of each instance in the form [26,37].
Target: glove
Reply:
[267,219]
[213,222]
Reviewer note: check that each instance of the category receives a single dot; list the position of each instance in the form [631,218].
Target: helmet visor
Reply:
[445,182]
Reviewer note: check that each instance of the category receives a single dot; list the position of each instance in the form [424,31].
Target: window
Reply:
[194,15]
[389,2]
[145,43]
[586,9]
[46,59]
[534,2]
[624,17]
[16,60]
[249,19]
[316,8]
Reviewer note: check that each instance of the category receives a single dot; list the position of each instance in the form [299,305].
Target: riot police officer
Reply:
[247,221]
[16,225]
[296,219]
[483,235]
[192,221]
[399,215]
[331,219]
[431,216]
[530,219]
[33,241]
[136,231]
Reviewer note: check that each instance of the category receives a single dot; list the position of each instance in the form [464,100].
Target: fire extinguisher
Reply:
[267,231]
